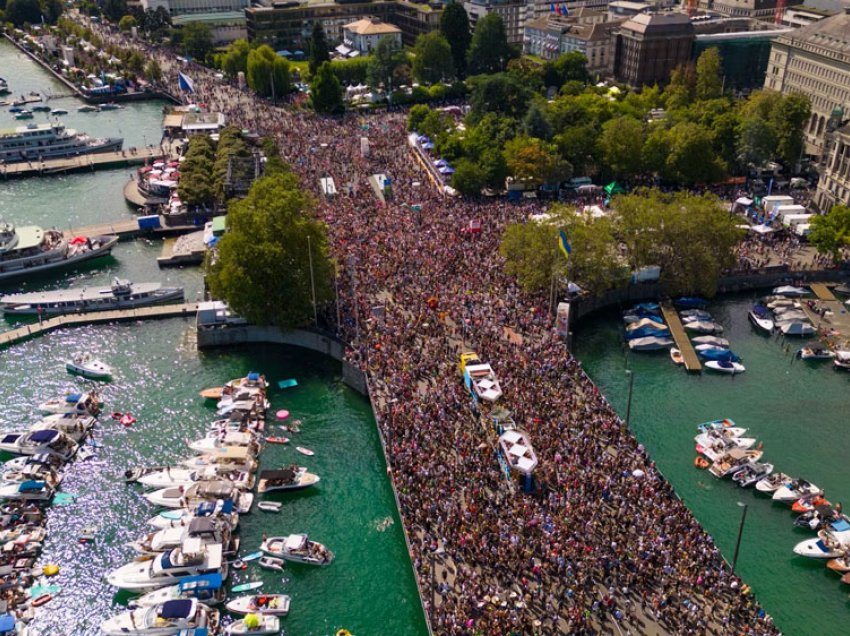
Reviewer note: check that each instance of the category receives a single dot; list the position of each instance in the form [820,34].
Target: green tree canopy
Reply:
[621,144]
[326,91]
[416,116]
[126,23]
[235,58]
[709,75]
[263,264]
[385,64]
[469,177]
[268,72]
[500,94]
[196,182]
[831,231]
[534,161]
[454,25]
[489,51]
[567,67]
[20,12]
[196,40]
[432,59]
[319,48]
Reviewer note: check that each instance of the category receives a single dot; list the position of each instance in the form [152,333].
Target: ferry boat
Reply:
[49,141]
[121,295]
[31,250]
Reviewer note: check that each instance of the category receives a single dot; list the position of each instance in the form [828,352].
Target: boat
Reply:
[255,624]
[789,291]
[21,114]
[721,425]
[32,472]
[751,473]
[277,440]
[809,353]
[840,564]
[646,322]
[179,497]
[734,460]
[712,340]
[304,451]
[87,108]
[4,87]
[170,477]
[168,619]
[271,563]
[290,478]
[724,355]
[842,359]
[222,508]
[817,518]
[208,530]
[110,106]
[481,381]
[168,568]
[690,302]
[206,588]
[87,403]
[39,442]
[270,506]
[647,331]
[122,294]
[832,542]
[723,366]
[809,503]
[55,112]
[689,315]
[792,491]
[772,483]
[629,317]
[215,441]
[727,436]
[759,316]
[74,426]
[297,548]
[35,142]
[47,461]
[272,604]
[650,343]
[797,328]
[27,491]
[29,250]
[708,347]
[225,458]
[40,108]
[676,356]
[703,326]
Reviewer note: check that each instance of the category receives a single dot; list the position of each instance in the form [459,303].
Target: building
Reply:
[650,45]
[512,12]
[627,8]
[814,60]
[764,10]
[364,35]
[226,18]
[288,25]
[542,8]
[189,7]
[834,184]
[585,31]
[797,17]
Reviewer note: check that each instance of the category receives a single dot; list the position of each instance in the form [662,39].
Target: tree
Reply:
[536,121]
[432,59]
[196,184]
[454,25]
[691,158]
[489,51]
[681,90]
[534,161]
[621,144]
[831,232]
[528,72]
[20,12]
[51,10]
[153,71]
[196,40]
[319,48]
[416,116]
[436,124]
[500,94]
[127,23]
[267,72]
[263,270]
[531,254]
[789,118]
[709,69]
[114,10]
[756,141]
[235,59]
[469,178]
[567,67]
[326,91]
[384,63]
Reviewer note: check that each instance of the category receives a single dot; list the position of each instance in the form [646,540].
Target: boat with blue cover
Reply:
[690,302]
[760,317]
[644,332]
[719,354]
[168,619]
[206,588]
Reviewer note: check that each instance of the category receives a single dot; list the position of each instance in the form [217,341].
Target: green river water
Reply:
[369,589]
[798,409]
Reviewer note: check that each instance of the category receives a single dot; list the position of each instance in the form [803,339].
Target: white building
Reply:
[364,35]
[513,13]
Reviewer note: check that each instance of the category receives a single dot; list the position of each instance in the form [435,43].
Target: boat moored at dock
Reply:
[36,142]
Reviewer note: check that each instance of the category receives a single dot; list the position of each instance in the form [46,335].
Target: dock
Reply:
[129,229]
[96,318]
[822,291]
[683,343]
[188,249]
[83,163]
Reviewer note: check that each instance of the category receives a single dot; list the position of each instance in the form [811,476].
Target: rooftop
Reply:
[372,26]
[831,33]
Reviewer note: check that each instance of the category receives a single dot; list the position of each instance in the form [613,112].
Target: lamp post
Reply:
[631,375]
[740,533]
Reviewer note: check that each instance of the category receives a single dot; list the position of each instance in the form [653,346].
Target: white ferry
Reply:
[31,250]
[121,295]
[35,142]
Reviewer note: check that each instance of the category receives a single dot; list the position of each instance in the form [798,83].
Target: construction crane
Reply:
[780,11]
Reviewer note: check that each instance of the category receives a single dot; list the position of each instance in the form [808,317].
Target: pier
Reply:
[129,229]
[822,291]
[683,343]
[82,163]
[96,318]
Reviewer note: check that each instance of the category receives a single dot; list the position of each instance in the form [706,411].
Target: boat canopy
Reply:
[73,397]
[840,526]
[285,475]
[42,458]
[178,609]
[202,525]
[214,488]
[221,506]
[295,542]
[253,376]
[44,436]
[199,583]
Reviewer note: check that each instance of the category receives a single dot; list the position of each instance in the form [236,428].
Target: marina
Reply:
[683,343]
[82,163]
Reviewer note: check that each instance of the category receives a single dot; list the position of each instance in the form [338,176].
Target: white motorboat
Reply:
[214,442]
[87,403]
[168,619]
[222,508]
[734,460]
[650,343]
[48,442]
[762,320]
[271,563]
[86,365]
[708,347]
[689,315]
[789,291]
[842,359]
[724,366]
[297,548]
[185,477]
[791,492]
[270,506]
[43,459]
[225,458]
[703,326]
[272,604]
[255,624]
[717,341]
[204,528]
[206,588]
[291,478]
[791,309]
[772,483]
[751,473]
[27,491]
[191,559]
[714,446]
[74,426]
[179,497]
[832,542]
[815,353]
[646,322]
[720,425]
[32,472]
[797,328]
[676,356]
[243,406]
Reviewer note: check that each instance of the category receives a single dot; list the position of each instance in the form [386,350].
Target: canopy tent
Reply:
[614,188]
[745,201]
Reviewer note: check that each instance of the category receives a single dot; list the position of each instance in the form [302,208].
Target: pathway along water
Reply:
[798,409]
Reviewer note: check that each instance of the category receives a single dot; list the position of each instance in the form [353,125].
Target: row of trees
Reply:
[21,12]
[266,72]
[204,171]
[691,237]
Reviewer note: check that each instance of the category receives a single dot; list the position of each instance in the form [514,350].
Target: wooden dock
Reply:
[95,318]
[683,343]
[822,291]
[129,229]
[82,163]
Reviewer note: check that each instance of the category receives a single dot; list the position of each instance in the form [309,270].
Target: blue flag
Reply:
[564,244]
[565,10]
[184,83]
[552,7]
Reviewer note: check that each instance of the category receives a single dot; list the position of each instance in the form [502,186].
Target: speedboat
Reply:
[206,588]
[676,356]
[291,478]
[214,442]
[222,508]
[842,359]
[225,458]
[650,343]
[24,114]
[818,518]
[206,529]
[723,366]
[703,326]
[191,559]
[689,315]
[809,353]
[724,355]
[797,328]
[255,624]
[42,459]
[710,347]
[772,483]
[712,340]
[792,491]
[185,477]
[789,291]
[809,503]
[715,448]
[37,442]
[732,434]
[298,548]
[271,563]
[733,461]
[751,473]
[32,472]
[179,497]
[246,406]
[168,619]
[759,315]
[74,426]
[27,491]
[86,365]
[832,542]
[273,604]
[722,425]
[840,564]
[87,403]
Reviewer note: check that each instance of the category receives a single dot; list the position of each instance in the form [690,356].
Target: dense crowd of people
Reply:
[603,537]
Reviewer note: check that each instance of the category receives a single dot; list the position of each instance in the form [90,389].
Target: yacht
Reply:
[87,366]
[206,588]
[35,142]
[182,616]
[75,427]
[760,317]
[209,531]
[32,472]
[29,250]
[38,442]
[220,509]
[122,294]
[792,491]
[832,542]
[214,442]
[87,403]
[169,477]
[179,497]
[292,478]
[298,548]
[27,491]
[225,458]
[191,559]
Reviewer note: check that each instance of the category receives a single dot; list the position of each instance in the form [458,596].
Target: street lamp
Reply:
[631,375]
[740,533]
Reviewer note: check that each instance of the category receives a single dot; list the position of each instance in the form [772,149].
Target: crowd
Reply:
[603,537]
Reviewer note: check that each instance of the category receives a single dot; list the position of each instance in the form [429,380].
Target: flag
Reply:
[564,244]
[184,83]
[552,7]
[558,9]
[566,11]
